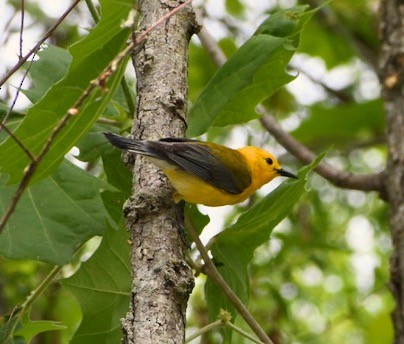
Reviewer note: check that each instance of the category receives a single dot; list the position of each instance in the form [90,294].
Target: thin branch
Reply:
[243,333]
[17,140]
[100,81]
[10,110]
[363,182]
[38,45]
[210,44]
[30,170]
[21,27]
[203,330]
[224,320]
[213,273]
[7,30]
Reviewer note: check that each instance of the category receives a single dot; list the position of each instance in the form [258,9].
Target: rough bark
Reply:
[392,78]
[162,281]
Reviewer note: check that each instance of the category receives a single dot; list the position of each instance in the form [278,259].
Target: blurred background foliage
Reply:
[323,276]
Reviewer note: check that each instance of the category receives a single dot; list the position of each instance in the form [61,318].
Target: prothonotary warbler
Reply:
[205,172]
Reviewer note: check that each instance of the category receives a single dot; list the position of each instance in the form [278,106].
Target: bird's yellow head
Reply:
[264,166]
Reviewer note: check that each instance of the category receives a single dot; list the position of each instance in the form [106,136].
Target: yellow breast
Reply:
[194,190]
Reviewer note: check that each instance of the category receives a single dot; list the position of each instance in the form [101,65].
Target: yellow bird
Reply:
[205,172]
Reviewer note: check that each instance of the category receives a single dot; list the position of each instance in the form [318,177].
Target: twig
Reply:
[213,273]
[10,110]
[21,27]
[30,170]
[205,329]
[224,320]
[17,141]
[243,333]
[210,44]
[100,81]
[38,45]
[363,182]
[7,30]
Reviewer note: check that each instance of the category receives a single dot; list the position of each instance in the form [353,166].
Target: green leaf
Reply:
[197,219]
[30,329]
[102,285]
[234,7]
[201,69]
[13,121]
[49,69]
[53,216]
[90,56]
[379,329]
[8,324]
[342,124]
[251,75]
[233,248]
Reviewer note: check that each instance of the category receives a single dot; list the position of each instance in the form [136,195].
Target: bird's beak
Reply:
[284,173]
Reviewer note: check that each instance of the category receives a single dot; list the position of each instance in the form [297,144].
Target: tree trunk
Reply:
[392,77]
[162,280]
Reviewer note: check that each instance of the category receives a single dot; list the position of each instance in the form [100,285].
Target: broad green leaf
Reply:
[102,285]
[53,216]
[94,146]
[233,248]
[201,69]
[117,173]
[341,124]
[379,329]
[251,75]
[90,56]
[30,329]
[49,69]
[195,217]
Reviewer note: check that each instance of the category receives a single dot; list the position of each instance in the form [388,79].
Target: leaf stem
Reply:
[243,333]
[93,11]
[205,329]
[39,290]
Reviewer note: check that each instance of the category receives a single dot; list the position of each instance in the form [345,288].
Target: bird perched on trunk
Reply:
[205,172]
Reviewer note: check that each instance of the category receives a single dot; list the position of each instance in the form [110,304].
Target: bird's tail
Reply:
[133,145]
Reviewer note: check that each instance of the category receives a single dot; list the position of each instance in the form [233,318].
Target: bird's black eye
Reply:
[269,161]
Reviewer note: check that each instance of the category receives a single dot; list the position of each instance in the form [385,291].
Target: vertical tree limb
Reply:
[162,281]
[392,78]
